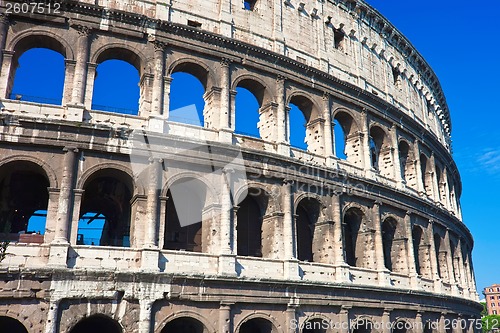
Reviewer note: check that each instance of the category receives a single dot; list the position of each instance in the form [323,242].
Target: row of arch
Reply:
[303,121]
[104,215]
[102,323]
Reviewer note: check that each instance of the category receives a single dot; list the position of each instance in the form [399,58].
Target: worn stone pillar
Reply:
[225,132]
[449,258]
[153,204]
[281,117]
[435,185]
[433,257]
[145,314]
[5,71]
[418,168]
[69,77]
[343,320]
[52,322]
[383,273]
[65,195]
[386,321]
[77,202]
[167,81]
[291,317]
[226,207]
[328,133]
[82,58]
[395,157]
[89,90]
[419,324]
[50,226]
[288,225]
[365,141]
[4,28]
[158,80]
[341,268]
[410,251]
[225,323]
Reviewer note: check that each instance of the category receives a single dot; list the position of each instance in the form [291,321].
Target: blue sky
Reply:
[457,38]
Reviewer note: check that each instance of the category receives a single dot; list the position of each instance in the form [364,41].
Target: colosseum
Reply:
[263,236]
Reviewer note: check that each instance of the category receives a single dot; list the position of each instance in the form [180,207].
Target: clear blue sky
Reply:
[457,38]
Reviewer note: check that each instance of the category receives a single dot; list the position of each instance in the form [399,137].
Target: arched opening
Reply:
[11,325]
[97,324]
[23,202]
[353,250]
[105,209]
[315,326]
[184,325]
[187,94]
[438,181]
[117,86]
[248,101]
[307,214]
[406,164]
[456,261]
[417,238]
[249,227]
[388,234]
[257,325]
[347,139]
[304,133]
[380,151]
[362,326]
[39,76]
[401,326]
[186,199]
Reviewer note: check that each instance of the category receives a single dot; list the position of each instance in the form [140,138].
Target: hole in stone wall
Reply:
[249,4]
[417,238]
[246,112]
[256,325]
[187,97]
[97,323]
[350,230]
[116,87]
[184,324]
[249,228]
[437,247]
[338,39]
[307,216]
[388,232]
[11,325]
[39,77]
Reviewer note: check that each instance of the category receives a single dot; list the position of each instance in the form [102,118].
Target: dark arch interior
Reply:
[437,247]
[376,142]
[307,215]
[183,224]
[351,226]
[97,324]
[404,151]
[257,325]
[184,325]
[23,193]
[11,325]
[249,228]
[417,234]
[388,233]
[107,196]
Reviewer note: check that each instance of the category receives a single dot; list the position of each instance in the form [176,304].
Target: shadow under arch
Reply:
[11,325]
[191,316]
[97,323]
[259,323]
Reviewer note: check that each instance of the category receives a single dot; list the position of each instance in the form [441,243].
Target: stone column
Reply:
[225,324]
[281,118]
[386,321]
[69,77]
[50,226]
[158,80]
[343,320]
[226,207]
[418,168]
[449,258]
[225,133]
[51,324]
[288,225]
[379,246]
[65,195]
[419,324]
[291,317]
[397,162]
[82,58]
[328,133]
[89,91]
[167,80]
[4,28]
[153,204]
[6,73]
[365,143]
[145,314]
[435,185]
[410,251]
[433,258]
[446,191]
[77,202]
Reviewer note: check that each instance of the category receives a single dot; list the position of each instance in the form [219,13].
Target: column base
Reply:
[438,286]
[283,149]
[415,281]
[58,255]
[227,265]
[74,112]
[384,278]
[342,274]
[150,259]
[291,269]
[157,124]
[226,135]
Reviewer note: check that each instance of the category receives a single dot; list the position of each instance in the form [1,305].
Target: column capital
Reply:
[70,149]
[287,181]
[225,62]
[158,45]
[280,78]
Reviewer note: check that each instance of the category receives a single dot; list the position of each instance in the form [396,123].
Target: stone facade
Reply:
[374,238]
